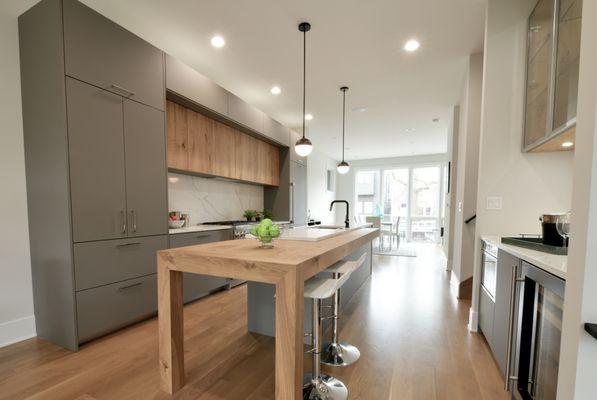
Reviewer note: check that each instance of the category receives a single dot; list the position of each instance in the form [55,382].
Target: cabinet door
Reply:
[264,163]
[187,82]
[225,144]
[275,130]
[246,157]
[245,114]
[103,53]
[201,143]
[177,127]
[145,155]
[503,291]
[195,286]
[486,311]
[96,158]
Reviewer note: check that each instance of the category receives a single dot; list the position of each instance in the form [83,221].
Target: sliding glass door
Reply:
[409,197]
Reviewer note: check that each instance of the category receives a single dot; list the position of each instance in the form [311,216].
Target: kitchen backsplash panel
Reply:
[209,199]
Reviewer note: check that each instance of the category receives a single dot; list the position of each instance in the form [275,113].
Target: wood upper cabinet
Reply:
[178,136]
[199,144]
[100,52]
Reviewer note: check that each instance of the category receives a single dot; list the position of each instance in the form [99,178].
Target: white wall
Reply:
[529,184]
[465,205]
[318,197]
[345,184]
[16,298]
[578,357]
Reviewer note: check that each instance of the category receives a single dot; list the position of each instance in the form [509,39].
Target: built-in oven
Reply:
[489,268]
[536,329]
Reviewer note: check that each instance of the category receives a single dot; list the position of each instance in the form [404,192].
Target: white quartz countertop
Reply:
[552,263]
[199,228]
[314,234]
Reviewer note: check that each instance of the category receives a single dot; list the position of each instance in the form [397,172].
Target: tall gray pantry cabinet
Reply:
[95,150]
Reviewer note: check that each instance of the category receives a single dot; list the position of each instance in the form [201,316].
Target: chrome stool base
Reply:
[325,388]
[339,354]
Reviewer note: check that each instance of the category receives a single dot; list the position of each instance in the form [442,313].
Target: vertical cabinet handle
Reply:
[292,202]
[123,216]
[511,322]
[134,220]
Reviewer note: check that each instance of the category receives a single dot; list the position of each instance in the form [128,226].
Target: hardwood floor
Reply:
[411,332]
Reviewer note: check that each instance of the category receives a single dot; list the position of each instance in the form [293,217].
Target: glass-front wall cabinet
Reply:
[552,75]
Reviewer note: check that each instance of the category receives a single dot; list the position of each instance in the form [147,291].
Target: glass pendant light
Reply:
[343,167]
[303,146]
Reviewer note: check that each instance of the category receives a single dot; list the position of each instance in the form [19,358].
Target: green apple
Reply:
[274,231]
[266,222]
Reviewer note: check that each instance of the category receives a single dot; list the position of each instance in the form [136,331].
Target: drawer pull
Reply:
[129,93]
[128,244]
[203,236]
[123,288]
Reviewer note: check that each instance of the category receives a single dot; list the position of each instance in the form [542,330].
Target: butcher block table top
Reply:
[287,266]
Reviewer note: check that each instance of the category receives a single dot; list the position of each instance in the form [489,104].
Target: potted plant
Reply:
[266,214]
[249,214]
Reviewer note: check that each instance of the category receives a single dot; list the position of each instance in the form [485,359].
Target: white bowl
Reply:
[175,224]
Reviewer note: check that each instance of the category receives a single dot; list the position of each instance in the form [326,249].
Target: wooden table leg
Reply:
[170,325]
[289,337]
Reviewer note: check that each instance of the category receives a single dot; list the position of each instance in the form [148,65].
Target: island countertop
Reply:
[286,266]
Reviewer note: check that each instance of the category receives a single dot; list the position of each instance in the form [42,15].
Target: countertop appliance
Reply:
[535,332]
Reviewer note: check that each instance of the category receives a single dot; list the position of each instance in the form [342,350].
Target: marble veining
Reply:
[210,199]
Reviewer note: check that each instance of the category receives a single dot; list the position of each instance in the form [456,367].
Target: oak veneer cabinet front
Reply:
[200,144]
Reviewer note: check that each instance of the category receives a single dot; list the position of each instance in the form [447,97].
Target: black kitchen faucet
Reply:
[347,219]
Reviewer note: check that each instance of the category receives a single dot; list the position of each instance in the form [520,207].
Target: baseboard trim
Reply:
[17,330]
[473,320]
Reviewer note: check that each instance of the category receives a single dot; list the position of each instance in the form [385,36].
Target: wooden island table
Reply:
[286,266]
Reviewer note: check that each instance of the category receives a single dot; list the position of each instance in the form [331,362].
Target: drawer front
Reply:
[195,286]
[195,238]
[486,312]
[107,308]
[100,52]
[109,261]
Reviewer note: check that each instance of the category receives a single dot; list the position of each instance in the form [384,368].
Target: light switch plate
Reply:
[494,203]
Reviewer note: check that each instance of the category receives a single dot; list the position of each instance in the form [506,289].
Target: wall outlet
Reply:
[494,203]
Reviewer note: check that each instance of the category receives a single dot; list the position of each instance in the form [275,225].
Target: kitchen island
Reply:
[286,266]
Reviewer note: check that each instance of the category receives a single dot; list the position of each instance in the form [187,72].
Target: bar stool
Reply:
[321,386]
[338,353]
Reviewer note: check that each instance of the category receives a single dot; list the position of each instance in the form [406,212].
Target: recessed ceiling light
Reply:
[359,109]
[308,117]
[567,144]
[276,90]
[412,45]
[218,41]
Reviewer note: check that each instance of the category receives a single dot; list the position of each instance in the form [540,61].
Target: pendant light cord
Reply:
[343,119]
[304,76]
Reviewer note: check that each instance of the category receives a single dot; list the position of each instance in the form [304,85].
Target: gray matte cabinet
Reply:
[486,311]
[195,286]
[298,194]
[96,158]
[98,51]
[245,114]
[106,308]
[146,176]
[275,130]
[185,81]
[501,317]
[108,261]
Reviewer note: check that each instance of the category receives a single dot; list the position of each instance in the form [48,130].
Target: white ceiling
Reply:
[352,42]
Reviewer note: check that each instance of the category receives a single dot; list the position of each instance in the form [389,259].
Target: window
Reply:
[329,183]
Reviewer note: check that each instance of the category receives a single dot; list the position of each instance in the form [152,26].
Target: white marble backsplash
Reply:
[210,199]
